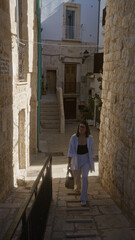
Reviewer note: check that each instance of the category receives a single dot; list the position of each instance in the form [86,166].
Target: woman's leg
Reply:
[85,170]
[77,180]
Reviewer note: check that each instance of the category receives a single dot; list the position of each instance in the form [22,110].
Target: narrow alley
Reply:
[62,62]
[102,219]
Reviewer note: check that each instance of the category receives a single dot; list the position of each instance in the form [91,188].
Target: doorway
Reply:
[70,78]
[51,81]
[70,108]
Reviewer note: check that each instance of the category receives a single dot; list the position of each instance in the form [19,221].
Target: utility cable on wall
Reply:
[51,44]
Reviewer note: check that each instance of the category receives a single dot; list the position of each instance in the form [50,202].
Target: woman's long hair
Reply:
[87,128]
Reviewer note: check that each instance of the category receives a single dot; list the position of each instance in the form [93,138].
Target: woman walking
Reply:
[80,159]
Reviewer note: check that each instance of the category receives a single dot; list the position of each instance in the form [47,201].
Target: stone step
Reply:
[49,113]
[51,130]
[79,220]
[52,121]
[78,209]
[49,126]
[49,109]
[48,104]
[54,113]
[80,235]
[49,117]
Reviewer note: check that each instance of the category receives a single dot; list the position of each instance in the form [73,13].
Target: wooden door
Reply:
[70,108]
[51,81]
[70,78]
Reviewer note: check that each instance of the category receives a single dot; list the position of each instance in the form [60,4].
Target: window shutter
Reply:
[98,62]
[104,17]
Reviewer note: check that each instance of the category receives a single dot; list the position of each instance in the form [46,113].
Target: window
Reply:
[20,18]
[104,17]
[98,62]
[71,22]
[21,45]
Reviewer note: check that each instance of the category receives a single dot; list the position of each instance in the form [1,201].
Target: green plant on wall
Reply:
[87,112]
[99,101]
[99,105]
[91,103]
[100,81]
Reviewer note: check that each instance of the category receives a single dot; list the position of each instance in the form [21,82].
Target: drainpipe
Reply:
[39,69]
[99,1]
[17,20]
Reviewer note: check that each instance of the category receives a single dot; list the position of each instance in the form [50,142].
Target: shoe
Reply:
[83,203]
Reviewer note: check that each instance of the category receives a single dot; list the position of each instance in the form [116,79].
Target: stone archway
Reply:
[117,135]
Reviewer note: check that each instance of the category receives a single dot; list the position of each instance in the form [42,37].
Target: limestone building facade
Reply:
[69,41]
[18,87]
[117,131]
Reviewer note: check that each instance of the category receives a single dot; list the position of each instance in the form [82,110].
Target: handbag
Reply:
[69,183]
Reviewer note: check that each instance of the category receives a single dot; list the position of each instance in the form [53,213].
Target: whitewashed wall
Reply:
[101,28]
[52,19]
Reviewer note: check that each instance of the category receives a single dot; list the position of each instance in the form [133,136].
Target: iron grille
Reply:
[72,32]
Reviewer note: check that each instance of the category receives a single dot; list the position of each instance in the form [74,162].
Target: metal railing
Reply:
[31,219]
[71,32]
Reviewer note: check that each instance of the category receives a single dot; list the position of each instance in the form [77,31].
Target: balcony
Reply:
[71,33]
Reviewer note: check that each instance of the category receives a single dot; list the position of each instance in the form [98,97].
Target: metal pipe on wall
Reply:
[39,69]
[99,1]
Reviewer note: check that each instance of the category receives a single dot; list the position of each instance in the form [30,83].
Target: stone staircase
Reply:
[49,114]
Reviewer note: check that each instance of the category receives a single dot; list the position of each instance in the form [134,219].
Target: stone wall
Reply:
[6,116]
[18,97]
[117,135]
[25,91]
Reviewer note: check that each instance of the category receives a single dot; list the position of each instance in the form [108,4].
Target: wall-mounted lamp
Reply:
[85,55]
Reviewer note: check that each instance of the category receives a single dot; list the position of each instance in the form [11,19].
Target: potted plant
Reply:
[87,112]
[90,75]
[84,111]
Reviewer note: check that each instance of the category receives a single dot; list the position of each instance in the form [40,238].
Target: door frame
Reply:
[70,63]
[51,69]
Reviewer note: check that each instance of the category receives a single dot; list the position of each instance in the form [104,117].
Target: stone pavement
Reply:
[101,219]
[10,207]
